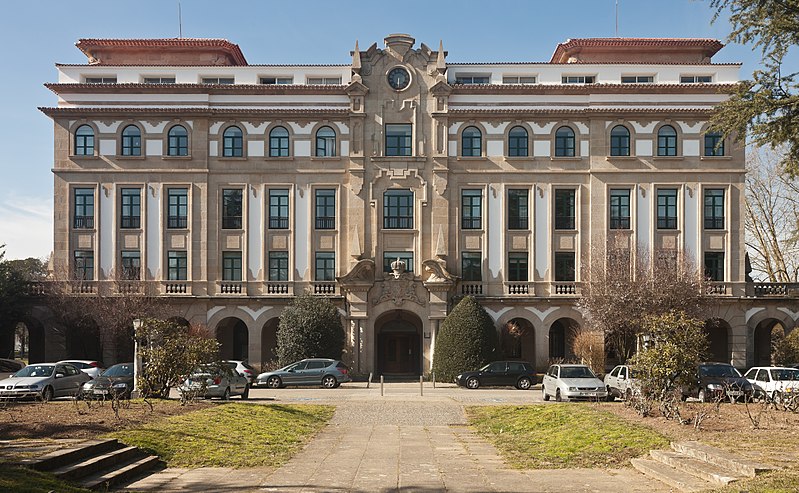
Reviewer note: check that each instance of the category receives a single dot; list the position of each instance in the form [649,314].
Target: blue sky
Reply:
[38,33]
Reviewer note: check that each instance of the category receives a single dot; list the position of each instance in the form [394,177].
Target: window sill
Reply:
[567,230]
[621,158]
[565,158]
[325,158]
[83,230]
[176,158]
[279,158]
[131,230]
[519,158]
[84,156]
[470,158]
[232,158]
[132,158]
[668,158]
[383,159]
[715,158]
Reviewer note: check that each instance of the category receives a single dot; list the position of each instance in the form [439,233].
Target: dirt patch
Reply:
[81,419]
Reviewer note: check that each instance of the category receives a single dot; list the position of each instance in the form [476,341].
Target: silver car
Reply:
[44,381]
[621,383]
[572,382]
[214,381]
[91,367]
[329,373]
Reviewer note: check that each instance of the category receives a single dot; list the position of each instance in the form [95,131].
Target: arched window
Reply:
[517,142]
[84,141]
[178,141]
[325,142]
[232,142]
[667,141]
[472,142]
[564,142]
[279,142]
[714,144]
[131,141]
[619,141]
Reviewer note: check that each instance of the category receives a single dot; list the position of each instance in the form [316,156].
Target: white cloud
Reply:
[26,226]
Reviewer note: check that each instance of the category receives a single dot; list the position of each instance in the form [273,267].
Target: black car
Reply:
[519,374]
[719,381]
[116,381]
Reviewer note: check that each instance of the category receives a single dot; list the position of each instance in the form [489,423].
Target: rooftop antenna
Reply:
[617,18]
[180,22]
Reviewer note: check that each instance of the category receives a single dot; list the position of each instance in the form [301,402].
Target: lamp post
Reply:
[137,324]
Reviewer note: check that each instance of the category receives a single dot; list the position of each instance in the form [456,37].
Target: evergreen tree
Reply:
[467,340]
[309,328]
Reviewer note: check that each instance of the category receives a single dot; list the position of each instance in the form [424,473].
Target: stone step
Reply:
[73,454]
[107,480]
[93,465]
[703,470]
[722,458]
[680,480]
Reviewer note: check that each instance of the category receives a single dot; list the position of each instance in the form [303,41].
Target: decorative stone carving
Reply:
[356,183]
[362,275]
[440,183]
[437,268]
[399,290]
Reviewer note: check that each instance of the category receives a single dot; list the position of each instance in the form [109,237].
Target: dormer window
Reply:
[472,79]
[577,79]
[637,79]
[518,79]
[100,80]
[277,80]
[323,81]
[696,79]
[159,80]
[218,80]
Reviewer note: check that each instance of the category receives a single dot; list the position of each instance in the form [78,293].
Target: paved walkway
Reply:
[398,442]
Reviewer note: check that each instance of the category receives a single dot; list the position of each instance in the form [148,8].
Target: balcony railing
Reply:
[776,289]
[325,288]
[130,222]
[278,222]
[83,222]
[231,287]
[83,287]
[474,288]
[130,287]
[565,288]
[175,287]
[519,288]
[177,222]
[325,223]
[717,288]
[279,287]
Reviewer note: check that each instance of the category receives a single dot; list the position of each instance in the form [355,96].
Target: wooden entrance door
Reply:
[399,353]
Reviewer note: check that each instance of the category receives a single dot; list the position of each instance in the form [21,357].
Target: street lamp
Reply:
[137,325]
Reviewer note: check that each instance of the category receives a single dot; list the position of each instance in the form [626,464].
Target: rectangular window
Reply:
[696,79]
[325,208]
[177,208]
[398,209]
[131,208]
[518,79]
[565,208]
[323,80]
[399,139]
[517,266]
[471,266]
[231,208]
[231,266]
[518,209]
[278,209]
[389,257]
[667,208]
[325,266]
[84,265]
[131,265]
[100,80]
[83,217]
[177,266]
[619,208]
[472,79]
[714,144]
[714,208]
[159,80]
[714,266]
[471,209]
[278,266]
[565,266]
[637,79]
[577,79]
[218,80]
[277,80]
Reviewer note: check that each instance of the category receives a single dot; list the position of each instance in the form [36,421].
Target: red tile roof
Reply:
[709,46]
[86,45]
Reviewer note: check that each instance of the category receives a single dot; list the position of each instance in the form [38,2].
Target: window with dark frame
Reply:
[131,141]
[218,80]
[278,266]
[100,80]
[278,208]
[177,265]
[178,141]
[517,266]
[518,209]
[564,142]
[325,207]
[714,208]
[471,142]
[231,208]
[232,142]
[131,265]
[83,268]
[637,79]
[231,266]
[472,266]
[667,141]
[177,208]
[714,266]
[696,79]
[472,79]
[325,266]
[325,142]
[84,141]
[159,80]
[518,142]
[83,217]
[565,267]
[279,142]
[667,208]
[276,80]
[398,209]
[577,79]
[471,209]
[389,257]
[399,139]
[130,208]
[565,208]
[619,141]
[619,208]
[714,144]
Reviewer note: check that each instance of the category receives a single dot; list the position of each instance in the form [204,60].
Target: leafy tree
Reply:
[467,340]
[14,279]
[786,349]
[310,327]
[767,107]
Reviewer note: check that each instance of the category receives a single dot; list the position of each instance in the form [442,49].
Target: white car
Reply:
[90,367]
[44,381]
[572,382]
[620,382]
[244,369]
[773,381]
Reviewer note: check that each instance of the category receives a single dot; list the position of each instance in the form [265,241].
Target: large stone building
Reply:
[395,183]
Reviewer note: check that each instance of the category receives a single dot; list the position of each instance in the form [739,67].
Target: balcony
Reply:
[520,288]
[565,288]
[773,289]
[715,288]
[83,287]
[231,287]
[473,288]
[279,288]
[83,222]
[130,287]
[324,288]
[175,287]
[325,223]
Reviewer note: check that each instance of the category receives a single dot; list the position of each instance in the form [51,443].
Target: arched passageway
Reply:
[518,340]
[561,338]
[269,343]
[398,348]
[718,333]
[233,338]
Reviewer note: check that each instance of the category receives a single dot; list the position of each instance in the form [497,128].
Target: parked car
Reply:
[519,374]
[773,381]
[572,382]
[718,381]
[45,381]
[216,381]
[244,369]
[90,367]
[620,382]
[9,366]
[116,381]
[329,373]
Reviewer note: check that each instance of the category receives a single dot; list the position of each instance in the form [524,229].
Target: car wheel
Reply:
[226,395]
[246,393]
[329,382]
[558,397]
[472,383]
[544,391]
[702,396]
[274,382]
[47,394]
[524,383]
[610,397]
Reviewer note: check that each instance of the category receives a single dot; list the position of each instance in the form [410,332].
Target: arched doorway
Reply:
[399,344]
[269,342]
[233,338]
[718,335]
[764,336]
[561,336]
[518,340]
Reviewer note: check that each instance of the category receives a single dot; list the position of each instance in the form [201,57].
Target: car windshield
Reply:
[718,371]
[785,374]
[123,370]
[576,372]
[35,371]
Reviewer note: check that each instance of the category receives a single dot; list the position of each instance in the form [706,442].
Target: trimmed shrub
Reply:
[310,327]
[467,340]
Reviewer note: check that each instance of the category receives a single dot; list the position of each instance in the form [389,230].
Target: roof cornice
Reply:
[84,111]
[136,88]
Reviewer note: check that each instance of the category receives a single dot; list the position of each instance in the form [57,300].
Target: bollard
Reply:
[433,378]
[369,382]
[421,385]
[381,385]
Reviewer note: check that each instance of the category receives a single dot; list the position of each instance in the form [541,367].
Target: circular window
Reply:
[399,78]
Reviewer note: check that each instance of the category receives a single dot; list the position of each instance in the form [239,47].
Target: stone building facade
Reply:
[396,183]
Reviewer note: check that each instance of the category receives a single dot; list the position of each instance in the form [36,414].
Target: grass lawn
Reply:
[785,481]
[230,435]
[24,480]
[562,435]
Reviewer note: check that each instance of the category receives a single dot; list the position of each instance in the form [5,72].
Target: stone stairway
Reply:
[694,466]
[97,464]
